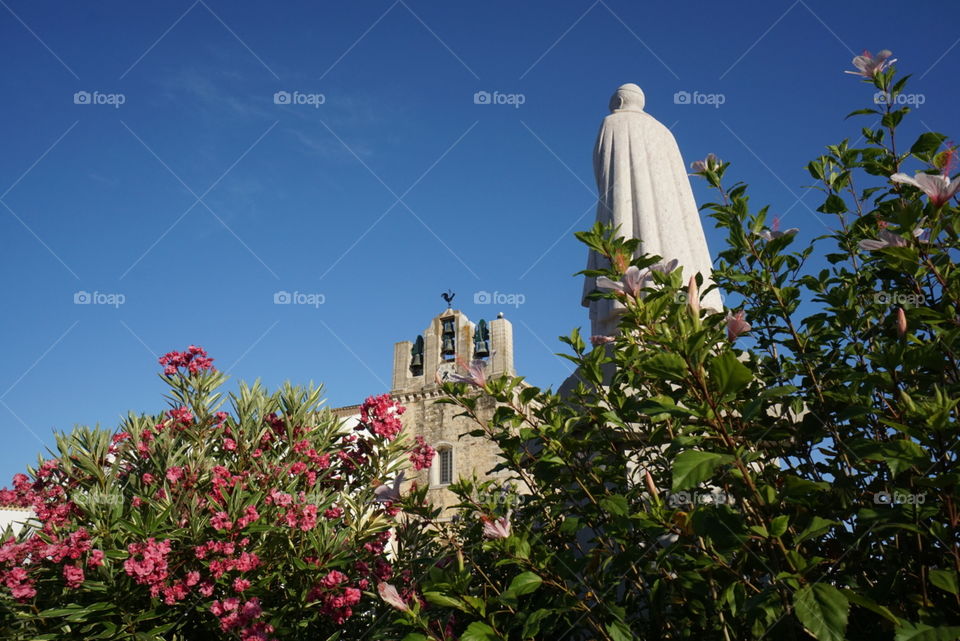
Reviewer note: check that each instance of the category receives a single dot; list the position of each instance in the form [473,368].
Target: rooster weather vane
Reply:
[448,296]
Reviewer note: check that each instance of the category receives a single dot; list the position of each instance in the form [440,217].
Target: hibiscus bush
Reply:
[786,468]
[247,516]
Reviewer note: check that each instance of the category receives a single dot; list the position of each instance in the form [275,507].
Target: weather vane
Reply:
[448,296]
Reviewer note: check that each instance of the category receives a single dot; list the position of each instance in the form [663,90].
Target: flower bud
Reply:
[648,479]
[901,322]
[693,296]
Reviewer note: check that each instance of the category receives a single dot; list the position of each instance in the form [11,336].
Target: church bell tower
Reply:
[449,340]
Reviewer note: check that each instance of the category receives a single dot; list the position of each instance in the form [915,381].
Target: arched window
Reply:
[444,465]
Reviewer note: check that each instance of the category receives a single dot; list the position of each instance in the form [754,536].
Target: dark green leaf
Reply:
[692,467]
[822,609]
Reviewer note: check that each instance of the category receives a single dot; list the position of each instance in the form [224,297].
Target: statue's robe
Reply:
[644,188]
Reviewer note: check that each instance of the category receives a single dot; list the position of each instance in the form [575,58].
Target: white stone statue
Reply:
[644,188]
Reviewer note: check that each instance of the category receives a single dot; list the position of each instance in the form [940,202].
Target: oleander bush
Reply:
[259,521]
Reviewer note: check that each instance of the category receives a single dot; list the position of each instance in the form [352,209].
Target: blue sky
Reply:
[199,197]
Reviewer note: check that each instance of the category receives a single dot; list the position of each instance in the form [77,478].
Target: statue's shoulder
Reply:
[623,119]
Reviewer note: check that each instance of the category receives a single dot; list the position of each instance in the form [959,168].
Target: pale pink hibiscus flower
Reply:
[496,529]
[774,233]
[886,239]
[938,188]
[385,492]
[389,594]
[736,325]
[475,372]
[634,280]
[869,65]
[710,163]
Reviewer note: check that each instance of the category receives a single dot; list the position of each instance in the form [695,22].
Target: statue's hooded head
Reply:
[629,97]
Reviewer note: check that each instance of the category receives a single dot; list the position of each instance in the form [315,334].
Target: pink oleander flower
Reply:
[710,163]
[736,325]
[194,360]
[886,239]
[422,454]
[389,594]
[938,188]
[496,529]
[221,521]
[869,65]
[148,479]
[174,474]
[475,372]
[381,414]
[385,493]
[95,559]
[73,576]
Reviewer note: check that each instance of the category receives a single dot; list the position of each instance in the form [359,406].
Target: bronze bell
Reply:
[481,349]
[417,360]
[448,346]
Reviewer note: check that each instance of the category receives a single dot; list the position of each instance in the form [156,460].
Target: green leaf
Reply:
[927,143]
[946,580]
[728,374]
[922,632]
[666,364]
[615,504]
[479,631]
[692,467]
[823,610]
[414,636]
[531,627]
[437,598]
[902,454]
[818,526]
[619,631]
[833,205]
[524,583]
[779,525]
[868,603]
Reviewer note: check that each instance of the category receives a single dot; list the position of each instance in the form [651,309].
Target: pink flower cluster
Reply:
[194,360]
[335,596]
[422,454]
[148,563]
[234,614]
[69,550]
[227,561]
[299,514]
[381,415]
